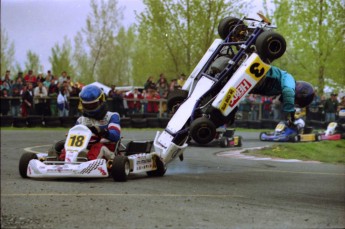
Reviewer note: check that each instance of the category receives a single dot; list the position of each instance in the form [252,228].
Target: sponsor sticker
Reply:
[241,90]
[226,101]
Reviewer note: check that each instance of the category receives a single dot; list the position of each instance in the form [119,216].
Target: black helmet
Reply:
[304,93]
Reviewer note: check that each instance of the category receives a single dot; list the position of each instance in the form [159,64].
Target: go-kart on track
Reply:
[203,191]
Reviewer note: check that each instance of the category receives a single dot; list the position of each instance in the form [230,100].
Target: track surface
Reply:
[203,191]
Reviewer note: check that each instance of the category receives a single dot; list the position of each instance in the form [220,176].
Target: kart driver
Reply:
[105,125]
[278,82]
[299,122]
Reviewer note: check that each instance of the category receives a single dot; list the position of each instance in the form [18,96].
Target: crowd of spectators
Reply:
[51,95]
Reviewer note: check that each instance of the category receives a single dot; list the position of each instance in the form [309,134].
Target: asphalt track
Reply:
[203,191]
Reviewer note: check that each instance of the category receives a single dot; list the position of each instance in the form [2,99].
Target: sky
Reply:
[38,25]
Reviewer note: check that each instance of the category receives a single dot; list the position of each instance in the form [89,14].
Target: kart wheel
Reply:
[202,130]
[296,138]
[175,99]
[318,137]
[24,162]
[224,142]
[120,168]
[262,136]
[226,25]
[161,169]
[270,46]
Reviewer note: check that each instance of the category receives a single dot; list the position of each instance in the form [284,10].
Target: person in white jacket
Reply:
[62,103]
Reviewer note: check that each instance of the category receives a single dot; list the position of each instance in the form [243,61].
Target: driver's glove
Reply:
[290,118]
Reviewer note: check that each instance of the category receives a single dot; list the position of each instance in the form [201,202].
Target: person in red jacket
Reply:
[134,101]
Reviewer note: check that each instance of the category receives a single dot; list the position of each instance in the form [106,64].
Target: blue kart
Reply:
[285,133]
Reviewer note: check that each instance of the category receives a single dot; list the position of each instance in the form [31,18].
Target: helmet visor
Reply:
[91,106]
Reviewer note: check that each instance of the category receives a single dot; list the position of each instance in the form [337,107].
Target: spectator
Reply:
[144,94]
[40,78]
[63,77]
[181,80]
[163,90]
[149,84]
[40,94]
[313,108]
[161,78]
[255,106]
[74,102]
[153,106]
[341,105]
[20,75]
[62,102]
[266,106]
[7,78]
[47,81]
[30,78]
[5,103]
[110,103]
[276,108]
[111,91]
[134,101]
[245,106]
[27,100]
[174,85]
[53,92]
[15,102]
[330,107]
[118,103]
[18,84]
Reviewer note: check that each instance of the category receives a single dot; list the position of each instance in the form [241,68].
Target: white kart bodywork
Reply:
[239,85]
[331,128]
[76,142]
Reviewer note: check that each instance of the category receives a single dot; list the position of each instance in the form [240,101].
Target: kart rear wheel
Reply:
[120,168]
[296,138]
[24,163]
[226,25]
[175,99]
[160,171]
[224,142]
[202,130]
[239,144]
[262,136]
[270,46]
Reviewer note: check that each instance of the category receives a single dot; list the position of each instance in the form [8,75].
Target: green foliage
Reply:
[324,151]
[33,62]
[173,35]
[315,33]
[7,53]
[61,59]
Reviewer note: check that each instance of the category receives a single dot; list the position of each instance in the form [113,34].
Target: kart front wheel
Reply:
[120,168]
[270,46]
[262,136]
[239,143]
[226,25]
[160,171]
[296,138]
[202,130]
[224,142]
[24,163]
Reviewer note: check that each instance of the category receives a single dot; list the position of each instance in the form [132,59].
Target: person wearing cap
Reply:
[330,107]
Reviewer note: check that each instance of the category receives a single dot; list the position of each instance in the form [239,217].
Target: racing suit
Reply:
[278,82]
[107,131]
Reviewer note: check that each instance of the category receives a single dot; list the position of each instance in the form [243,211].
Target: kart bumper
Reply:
[331,137]
[90,169]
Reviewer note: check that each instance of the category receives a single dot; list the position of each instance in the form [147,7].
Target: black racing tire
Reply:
[175,99]
[296,138]
[161,168]
[226,25]
[318,137]
[120,168]
[270,45]
[261,134]
[24,163]
[202,130]
[224,142]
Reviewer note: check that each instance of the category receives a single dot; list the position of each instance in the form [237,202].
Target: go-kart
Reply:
[228,71]
[285,133]
[226,138]
[135,157]
[331,133]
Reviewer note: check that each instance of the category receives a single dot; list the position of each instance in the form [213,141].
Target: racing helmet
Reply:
[92,99]
[342,113]
[304,93]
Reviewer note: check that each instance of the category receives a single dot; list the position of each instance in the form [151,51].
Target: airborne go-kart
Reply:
[135,157]
[285,133]
[331,133]
[228,71]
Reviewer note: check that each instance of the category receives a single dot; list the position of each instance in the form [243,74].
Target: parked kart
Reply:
[331,133]
[135,157]
[226,138]
[227,72]
[285,133]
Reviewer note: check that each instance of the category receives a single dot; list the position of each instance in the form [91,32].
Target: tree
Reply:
[33,62]
[7,53]
[61,58]
[315,33]
[173,35]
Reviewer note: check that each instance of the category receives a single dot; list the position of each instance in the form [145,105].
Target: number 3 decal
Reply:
[256,70]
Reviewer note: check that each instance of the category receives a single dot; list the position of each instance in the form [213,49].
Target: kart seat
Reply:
[307,130]
[135,147]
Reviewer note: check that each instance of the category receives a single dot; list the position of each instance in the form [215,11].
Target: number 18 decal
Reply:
[76,140]
[257,69]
